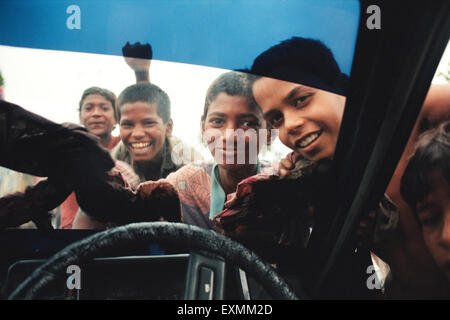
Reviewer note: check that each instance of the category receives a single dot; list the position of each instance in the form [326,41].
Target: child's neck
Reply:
[105,140]
[151,169]
[229,179]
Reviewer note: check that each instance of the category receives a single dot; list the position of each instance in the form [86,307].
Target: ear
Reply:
[169,128]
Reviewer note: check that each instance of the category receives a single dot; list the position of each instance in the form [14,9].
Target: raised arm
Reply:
[138,57]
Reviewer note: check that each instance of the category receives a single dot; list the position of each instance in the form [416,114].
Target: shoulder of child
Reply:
[126,172]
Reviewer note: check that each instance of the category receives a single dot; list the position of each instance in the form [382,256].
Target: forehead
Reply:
[270,92]
[95,98]
[438,190]
[437,182]
[232,106]
[139,109]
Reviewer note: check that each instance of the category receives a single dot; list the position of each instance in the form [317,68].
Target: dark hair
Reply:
[149,93]
[232,83]
[111,97]
[432,152]
[302,60]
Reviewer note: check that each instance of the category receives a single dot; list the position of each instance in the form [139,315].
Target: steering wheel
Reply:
[165,233]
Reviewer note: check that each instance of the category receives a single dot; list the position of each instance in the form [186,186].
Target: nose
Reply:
[97,112]
[229,132]
[138,132]
[293,122]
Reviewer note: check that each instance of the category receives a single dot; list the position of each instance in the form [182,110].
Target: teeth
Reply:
[140,145]
[308,140]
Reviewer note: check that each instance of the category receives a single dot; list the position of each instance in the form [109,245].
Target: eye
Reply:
[300,101]
[430,219]
[126,124]
[106,108]
[149,123]
[275,120]
[87,107]
[216,121]
[250,123]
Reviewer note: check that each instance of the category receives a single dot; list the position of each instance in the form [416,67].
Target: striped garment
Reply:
[196,191]
[175,155]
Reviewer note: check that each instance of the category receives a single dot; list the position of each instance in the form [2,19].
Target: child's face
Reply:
[142,130]
[434,215]
[97,115]
[308,119]
[231,129]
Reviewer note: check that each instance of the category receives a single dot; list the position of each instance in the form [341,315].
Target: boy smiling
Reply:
[146,141]
[308,115]
[97,114]
[310,63]
[145,129]
[308,119]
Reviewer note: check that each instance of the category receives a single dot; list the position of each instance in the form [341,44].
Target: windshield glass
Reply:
[51,52]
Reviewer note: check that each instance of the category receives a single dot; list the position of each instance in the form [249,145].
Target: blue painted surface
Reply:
[227,34]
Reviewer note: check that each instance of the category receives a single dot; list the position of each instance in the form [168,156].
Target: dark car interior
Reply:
[390,71]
